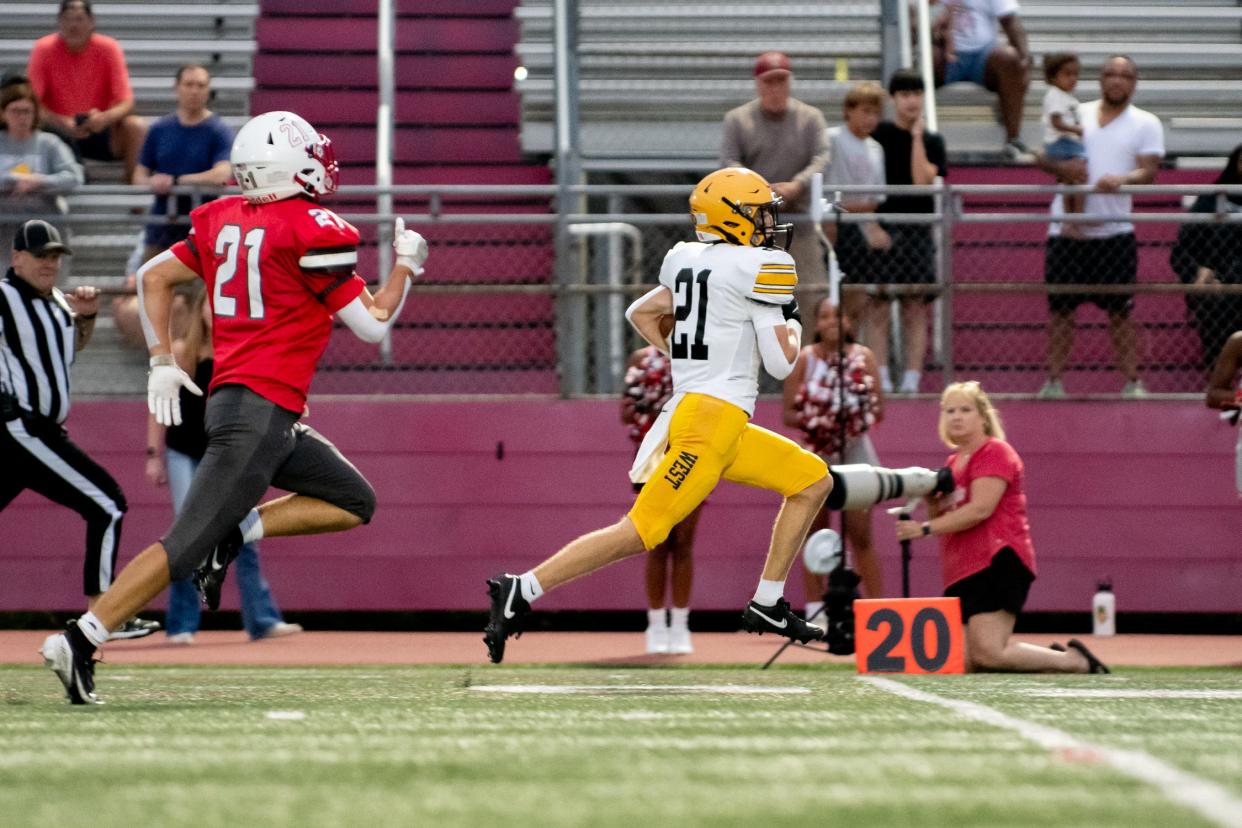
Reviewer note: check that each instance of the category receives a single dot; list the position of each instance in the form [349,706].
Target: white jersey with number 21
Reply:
[723,295]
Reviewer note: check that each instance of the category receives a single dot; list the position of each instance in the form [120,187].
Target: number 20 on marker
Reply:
[909,635]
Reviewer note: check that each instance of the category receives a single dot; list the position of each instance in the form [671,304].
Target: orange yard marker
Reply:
[909,635]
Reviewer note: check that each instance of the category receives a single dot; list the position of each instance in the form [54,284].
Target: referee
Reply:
[41,330]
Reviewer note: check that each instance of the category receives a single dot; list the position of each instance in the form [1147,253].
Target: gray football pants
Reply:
[252,444]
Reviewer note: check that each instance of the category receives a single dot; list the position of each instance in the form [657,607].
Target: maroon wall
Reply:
[1141,492]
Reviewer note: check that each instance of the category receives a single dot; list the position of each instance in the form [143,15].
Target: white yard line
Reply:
[1071,693]
[1208,799]
[570,689]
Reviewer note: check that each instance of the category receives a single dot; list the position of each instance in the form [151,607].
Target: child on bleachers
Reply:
[1062,130]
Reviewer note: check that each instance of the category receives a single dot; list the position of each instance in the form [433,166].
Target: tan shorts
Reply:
[710,439]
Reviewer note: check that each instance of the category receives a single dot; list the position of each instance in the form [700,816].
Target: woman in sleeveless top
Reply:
[648,385]
[184,446]
[813,403]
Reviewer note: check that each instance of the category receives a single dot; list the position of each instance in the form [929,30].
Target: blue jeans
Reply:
[1065,148]
[258,608]
[970,67]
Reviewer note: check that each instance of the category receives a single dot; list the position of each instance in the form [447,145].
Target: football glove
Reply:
[790,311]
[164,385]
[410,246]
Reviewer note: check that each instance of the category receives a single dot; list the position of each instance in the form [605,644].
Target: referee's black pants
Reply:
[37,454]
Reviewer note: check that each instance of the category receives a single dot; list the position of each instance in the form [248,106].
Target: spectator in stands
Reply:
[911,156]
[35,166]
[648,386]
[782,139]
[833,396]
[1124,146]
[854,157]
[986,552]
[1062,131]
[190,146]
[1211,254]
[966,48]
[183,447]
[81,78]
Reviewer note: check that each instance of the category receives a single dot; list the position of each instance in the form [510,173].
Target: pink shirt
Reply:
[964,553]
[71,82]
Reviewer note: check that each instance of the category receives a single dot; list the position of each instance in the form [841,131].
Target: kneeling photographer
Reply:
[987,556]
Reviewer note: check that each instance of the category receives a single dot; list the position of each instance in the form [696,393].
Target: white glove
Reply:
[163,393]
[410,246]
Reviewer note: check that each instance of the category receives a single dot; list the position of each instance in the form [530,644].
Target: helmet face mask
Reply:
[737,205]
[278,155]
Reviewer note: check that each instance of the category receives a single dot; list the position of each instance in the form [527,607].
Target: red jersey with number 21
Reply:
[275,274]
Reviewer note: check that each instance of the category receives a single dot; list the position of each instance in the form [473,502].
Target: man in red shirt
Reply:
[277,268]
[83,85]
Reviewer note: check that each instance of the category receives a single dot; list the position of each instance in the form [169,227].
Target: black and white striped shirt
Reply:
[36,348]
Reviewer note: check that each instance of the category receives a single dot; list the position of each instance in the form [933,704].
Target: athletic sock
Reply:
[251,527]
[656,618]
[910,381]
[92,631]
[769,592]
[531,588]
[886,379]
[813,609]
[679,618]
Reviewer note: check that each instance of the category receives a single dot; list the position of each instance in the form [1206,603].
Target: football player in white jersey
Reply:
[725,305]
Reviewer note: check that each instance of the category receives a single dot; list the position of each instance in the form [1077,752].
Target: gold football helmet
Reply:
[738,206]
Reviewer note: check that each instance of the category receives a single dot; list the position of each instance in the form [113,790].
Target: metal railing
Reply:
[494,276]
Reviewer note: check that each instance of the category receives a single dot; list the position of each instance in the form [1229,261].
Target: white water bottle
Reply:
[1104,610]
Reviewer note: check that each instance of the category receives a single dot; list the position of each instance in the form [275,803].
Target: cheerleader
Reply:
[648,386]
[813,401]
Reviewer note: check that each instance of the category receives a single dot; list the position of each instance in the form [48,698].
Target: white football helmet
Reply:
[278,154]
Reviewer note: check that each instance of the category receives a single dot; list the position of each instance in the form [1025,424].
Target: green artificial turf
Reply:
[425,746]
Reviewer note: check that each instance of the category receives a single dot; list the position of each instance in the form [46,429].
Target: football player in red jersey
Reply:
[277,268]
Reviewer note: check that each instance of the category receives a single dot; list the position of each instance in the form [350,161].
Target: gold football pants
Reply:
[710,439]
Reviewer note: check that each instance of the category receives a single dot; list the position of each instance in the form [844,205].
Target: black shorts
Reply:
[252,443]
[854,256]
[1110,261]
[97,146]
[910,260]
[1002,586]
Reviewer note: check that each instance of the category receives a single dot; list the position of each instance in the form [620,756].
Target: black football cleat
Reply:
[780,619]
[505,618]
[75,670]
[209,578]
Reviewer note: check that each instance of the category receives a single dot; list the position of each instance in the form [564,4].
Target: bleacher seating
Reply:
[157,38]
[456,121]
[656,79]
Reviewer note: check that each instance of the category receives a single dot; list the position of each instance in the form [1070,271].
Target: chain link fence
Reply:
[498,312]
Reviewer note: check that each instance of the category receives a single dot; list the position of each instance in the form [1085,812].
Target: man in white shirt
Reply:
[1124,145]
[966,49]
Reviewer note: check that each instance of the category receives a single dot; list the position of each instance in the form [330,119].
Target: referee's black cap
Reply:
[39,238]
